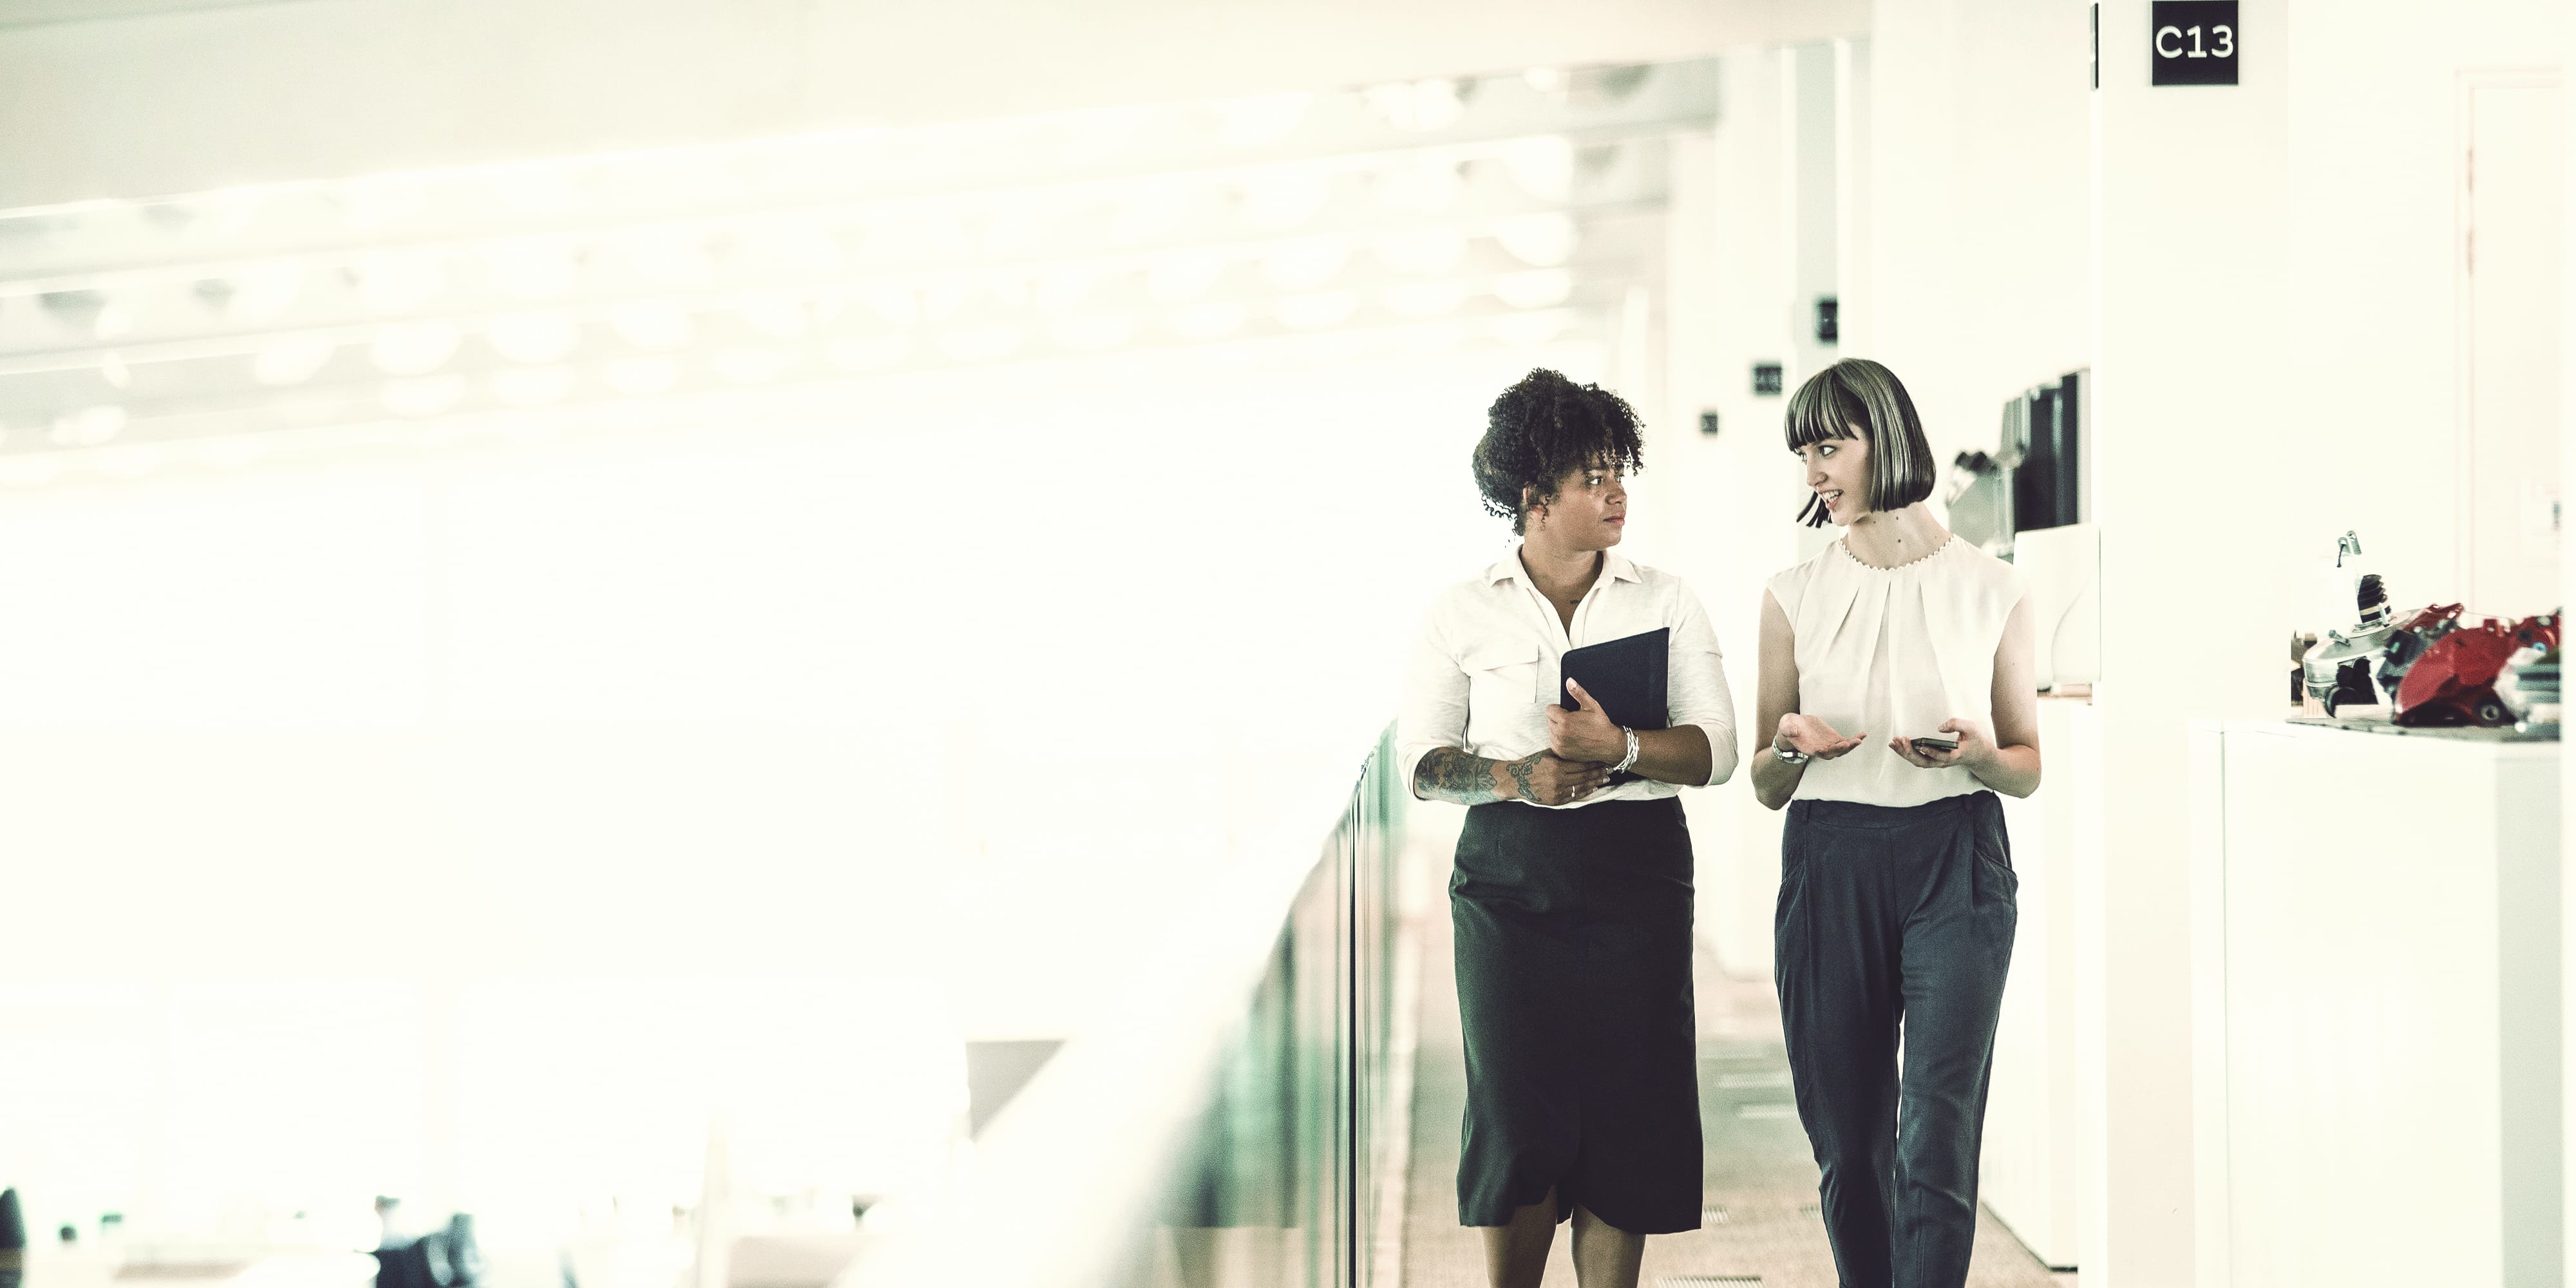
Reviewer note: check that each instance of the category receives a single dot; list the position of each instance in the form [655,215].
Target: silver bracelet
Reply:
[1622,766]
[1792,756]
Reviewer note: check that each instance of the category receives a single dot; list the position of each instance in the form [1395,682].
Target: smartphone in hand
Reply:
[1934,743]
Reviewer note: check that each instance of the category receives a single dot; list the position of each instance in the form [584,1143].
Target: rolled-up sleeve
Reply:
[1697,689]
[1434,713]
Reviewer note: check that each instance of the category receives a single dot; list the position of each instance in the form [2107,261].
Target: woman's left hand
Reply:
[1586,732]
[1976,747]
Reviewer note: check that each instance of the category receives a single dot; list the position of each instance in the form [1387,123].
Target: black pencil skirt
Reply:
[1574,990]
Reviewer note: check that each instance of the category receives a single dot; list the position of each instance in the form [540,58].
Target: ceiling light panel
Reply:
[683,272]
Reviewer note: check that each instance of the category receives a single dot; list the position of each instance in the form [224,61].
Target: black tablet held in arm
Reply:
[1627,677]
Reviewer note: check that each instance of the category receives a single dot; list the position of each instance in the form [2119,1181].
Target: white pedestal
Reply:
[2376,925]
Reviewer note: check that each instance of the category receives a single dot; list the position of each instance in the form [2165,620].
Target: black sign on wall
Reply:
[2192,42]
[1766,377]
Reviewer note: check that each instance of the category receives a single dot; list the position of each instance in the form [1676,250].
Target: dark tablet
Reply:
[1627,677]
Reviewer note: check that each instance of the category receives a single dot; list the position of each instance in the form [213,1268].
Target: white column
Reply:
[1852,192]
[2567,581]
[1813,219]
[2191,204]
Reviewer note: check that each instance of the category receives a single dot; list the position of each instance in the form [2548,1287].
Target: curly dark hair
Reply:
[1545,427]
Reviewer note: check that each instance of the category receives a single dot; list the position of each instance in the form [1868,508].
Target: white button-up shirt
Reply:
[1489,663]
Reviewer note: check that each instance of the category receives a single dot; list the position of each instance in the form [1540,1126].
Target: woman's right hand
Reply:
[1802,732]
[1545,778]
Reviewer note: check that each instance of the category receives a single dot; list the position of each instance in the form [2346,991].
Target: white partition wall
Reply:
[2032,1172]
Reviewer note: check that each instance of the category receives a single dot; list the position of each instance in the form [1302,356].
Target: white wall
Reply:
[1729,500]
[2195,230]
[2372,322]
[1980,234]
[181,102]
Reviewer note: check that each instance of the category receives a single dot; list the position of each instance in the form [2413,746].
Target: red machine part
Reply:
[2453,683]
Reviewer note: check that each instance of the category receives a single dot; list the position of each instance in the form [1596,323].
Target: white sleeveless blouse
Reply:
[1893,652]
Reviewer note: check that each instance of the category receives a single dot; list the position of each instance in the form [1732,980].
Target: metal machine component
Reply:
[2338,668]
[2453,681]
[2529,687]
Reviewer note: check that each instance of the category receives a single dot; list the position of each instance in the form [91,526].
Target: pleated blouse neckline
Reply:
[1843,543]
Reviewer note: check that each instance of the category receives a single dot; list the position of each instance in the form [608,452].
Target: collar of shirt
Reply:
[1614,565]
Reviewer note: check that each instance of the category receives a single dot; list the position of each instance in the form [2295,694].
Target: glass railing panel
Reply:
[1214,1139]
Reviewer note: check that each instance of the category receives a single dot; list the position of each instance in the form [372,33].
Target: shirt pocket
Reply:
[1502,689]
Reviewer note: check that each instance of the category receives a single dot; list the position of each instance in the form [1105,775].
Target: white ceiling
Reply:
[167,96]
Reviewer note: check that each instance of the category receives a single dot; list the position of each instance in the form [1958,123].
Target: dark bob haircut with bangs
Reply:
[1545,427]
[1858,398]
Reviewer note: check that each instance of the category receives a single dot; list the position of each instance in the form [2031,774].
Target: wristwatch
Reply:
[1787,755]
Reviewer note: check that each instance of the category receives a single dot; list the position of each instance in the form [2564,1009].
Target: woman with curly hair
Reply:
[1571,894]
[1897,892]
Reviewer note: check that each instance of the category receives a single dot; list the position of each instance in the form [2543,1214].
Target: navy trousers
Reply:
[1895,919]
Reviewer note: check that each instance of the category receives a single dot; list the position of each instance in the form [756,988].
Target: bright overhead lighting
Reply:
[235,451]
[1207,321]
[1062,287]
[1423,250]
[1093,332]
[1183,276]
[1542,166]
[794,250]
[1538,288]
[263,292]
[1281,200]
[426,396]
[751,364]
[945,298]
[378,203]
[898,305]
[536,270]
[1018,227]
[778,315]
[224,213]
[917,237]
[668,256]
[292,359]
[89,426]
[539,189]
[1542,240]
[1305,265]
[1008,292]
[113,370]
[1149,210]
[533,387]
[1417,105]
[534,338]
[1424,299]
[1427,187]
[397,281]
[642,377]
[413,348]
[657,327]
[980,343]
[131,462]
[864,353]
[1260,120]
[30,471]
[1101,134]
[1315,312]
[1523,330]
[114,323]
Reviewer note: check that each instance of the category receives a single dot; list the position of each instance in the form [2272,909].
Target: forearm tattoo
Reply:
[1448,774]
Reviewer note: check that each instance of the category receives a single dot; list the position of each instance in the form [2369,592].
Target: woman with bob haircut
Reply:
[1571,894]
[1896,880]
